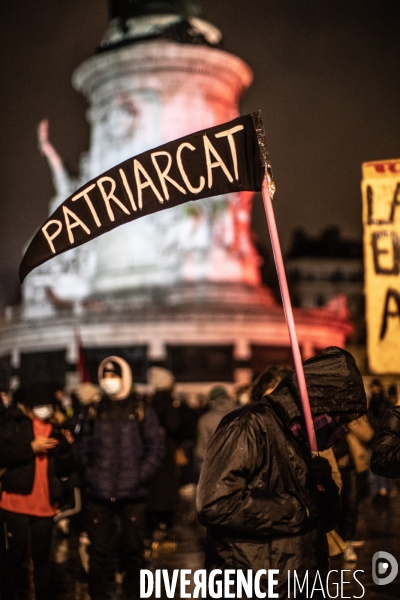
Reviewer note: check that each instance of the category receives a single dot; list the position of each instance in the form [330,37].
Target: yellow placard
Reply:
[381,220]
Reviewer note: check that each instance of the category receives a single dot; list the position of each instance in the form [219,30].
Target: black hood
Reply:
[334,384]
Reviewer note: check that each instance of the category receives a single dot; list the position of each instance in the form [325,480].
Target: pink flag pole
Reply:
[287,307]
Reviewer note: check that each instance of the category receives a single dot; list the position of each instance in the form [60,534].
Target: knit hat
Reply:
[112,367]
[118,365]
[217,391]
[160,378]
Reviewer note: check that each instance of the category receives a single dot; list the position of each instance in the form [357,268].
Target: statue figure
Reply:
[63,182]
[67,276]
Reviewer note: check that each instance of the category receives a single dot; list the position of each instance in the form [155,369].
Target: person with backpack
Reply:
[119,449]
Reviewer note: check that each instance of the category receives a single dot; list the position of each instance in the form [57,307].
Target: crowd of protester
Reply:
[111,463]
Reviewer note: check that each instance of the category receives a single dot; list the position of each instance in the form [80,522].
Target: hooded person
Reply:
[119,449]
[37,457]
[266,504]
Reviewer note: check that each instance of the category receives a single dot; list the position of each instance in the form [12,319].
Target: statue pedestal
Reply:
[215,332]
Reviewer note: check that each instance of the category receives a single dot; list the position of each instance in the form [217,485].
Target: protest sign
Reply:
[232,157]
[223,159]
[381,221]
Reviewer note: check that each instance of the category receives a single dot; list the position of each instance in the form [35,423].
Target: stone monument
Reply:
[182,279]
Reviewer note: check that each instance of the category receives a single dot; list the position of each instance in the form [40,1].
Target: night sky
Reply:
[326,77]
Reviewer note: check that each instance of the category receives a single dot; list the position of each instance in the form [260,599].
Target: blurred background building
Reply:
[326,269]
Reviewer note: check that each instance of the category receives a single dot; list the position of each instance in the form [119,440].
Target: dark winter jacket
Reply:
[119,447]
[18,458]
[119,450]
[385,459]
[164,487]
[255,494]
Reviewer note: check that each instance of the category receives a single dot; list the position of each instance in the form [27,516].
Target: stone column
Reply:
[144,95]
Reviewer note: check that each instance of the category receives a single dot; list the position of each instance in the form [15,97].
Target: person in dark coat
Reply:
[378,405]
[164,492]
[36,455]
[119,448]
[258,493]
[385,458]
[190,412]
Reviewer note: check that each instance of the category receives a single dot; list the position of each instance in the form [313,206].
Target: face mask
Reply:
[111,386]
[43,412]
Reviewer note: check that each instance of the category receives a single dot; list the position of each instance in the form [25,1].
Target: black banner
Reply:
[212,162]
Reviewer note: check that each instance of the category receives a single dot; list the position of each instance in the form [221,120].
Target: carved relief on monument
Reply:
[124,124]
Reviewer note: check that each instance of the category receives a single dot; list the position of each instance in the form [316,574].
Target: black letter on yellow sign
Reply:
[390,246]
[370,204]
[395,295]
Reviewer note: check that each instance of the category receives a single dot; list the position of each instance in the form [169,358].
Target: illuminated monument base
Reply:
[204,334]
